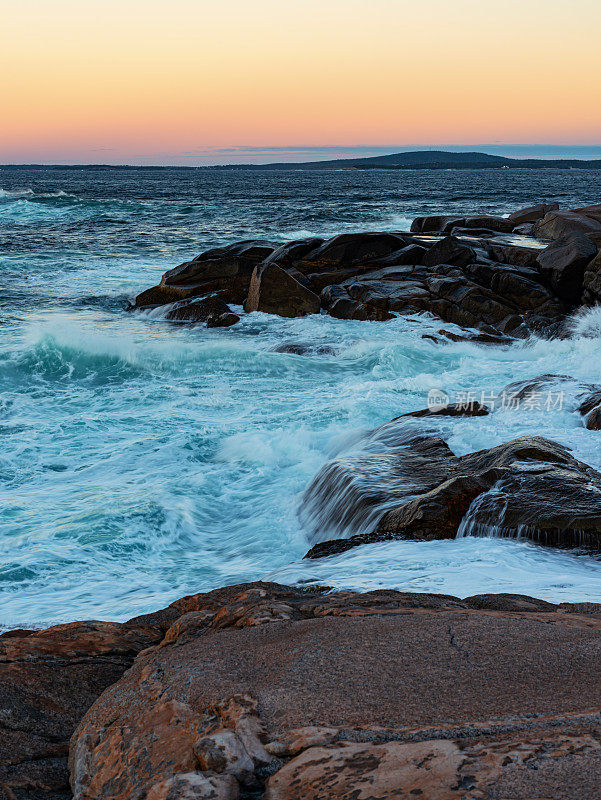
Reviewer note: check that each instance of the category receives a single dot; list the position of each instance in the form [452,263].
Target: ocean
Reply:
[142,460]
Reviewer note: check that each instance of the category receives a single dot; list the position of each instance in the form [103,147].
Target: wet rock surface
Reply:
[460,269]
[419,490]
[211,310]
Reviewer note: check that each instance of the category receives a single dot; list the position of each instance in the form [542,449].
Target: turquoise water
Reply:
[142,460]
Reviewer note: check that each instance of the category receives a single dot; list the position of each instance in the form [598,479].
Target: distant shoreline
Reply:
[582,166]
[437,160]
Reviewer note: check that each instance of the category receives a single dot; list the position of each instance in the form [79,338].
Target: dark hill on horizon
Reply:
[426,159]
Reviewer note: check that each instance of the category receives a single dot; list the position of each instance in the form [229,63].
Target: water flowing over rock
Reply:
[352,492]
[529,488]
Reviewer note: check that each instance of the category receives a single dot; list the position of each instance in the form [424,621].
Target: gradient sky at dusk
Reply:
[200,81]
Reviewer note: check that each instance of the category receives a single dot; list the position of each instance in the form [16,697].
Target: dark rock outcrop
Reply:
[591,282]
[517,255]
[557,224]
[445,224]
[506,298]
[449,251]
[459,269]
[563,264]
[593,419]
[226,270]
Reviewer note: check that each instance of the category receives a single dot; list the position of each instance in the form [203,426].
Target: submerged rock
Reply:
[305,349]
[470,336]
[469,409]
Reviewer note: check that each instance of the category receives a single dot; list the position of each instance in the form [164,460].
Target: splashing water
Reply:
[142,460]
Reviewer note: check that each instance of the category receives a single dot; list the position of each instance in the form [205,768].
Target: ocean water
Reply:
[142,460]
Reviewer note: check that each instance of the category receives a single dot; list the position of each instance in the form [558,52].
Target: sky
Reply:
[199,81]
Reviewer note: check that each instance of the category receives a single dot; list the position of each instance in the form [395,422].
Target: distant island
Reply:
[415,159]
[426,159]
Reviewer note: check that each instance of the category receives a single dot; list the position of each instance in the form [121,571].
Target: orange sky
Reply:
[142,81]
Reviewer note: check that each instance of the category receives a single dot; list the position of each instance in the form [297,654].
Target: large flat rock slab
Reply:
[297,693]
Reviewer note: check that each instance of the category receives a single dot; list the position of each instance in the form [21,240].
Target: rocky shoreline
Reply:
[509,277]
[267,691]
[270,692]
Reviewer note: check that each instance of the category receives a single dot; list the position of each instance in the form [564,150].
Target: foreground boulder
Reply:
[530,488]
[267,691]
[270,692]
